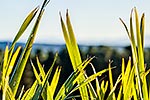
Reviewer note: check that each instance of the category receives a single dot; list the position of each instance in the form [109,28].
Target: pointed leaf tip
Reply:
[59,13]
[131,13]
[47,2]
[37,8]
[67,13]
[143,15]
[134,8]
[60,16]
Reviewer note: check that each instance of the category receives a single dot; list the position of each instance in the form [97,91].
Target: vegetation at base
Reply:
[131,83]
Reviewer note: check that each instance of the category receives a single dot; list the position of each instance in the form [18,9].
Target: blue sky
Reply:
[95,22]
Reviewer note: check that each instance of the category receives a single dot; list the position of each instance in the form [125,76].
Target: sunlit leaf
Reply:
[54,81]
[12,62]
[36,73]
[25,55]
[111,81]
[73,51]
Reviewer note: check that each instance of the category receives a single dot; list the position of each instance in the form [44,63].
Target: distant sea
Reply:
[51,47]
[44,47]
[48,47]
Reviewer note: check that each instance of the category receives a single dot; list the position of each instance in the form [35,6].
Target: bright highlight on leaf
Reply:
[137,45]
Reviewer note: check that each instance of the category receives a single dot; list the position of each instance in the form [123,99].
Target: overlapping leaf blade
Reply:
[111,80]
[73,51]
[26,52]
[72,79]
[137,45]
[54,82]
[89,79]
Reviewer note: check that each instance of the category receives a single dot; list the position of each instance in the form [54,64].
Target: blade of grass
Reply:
[111,80]
[142,25]
[89,79]
[76,56]
[120,94]
[141,55]
[28,95]
[5,88]
[25,55]
[127,89]
[135,57]
[134,51]
[139,43]
[36,73]
[42,73]
[54,82]
[67,40]
[135,94]
[7,72]
[90,87]
[97,84]
[41,87]
[138,53]
[103,89]
[110,96]
[12,62]
[23,27]
[68,85]
[49,96]
[125,77]
[72,79]
[123,72]
[9,95]
[21,93]
[4,65]
[73,51]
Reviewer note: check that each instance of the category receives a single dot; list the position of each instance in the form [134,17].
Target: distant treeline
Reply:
[102,56]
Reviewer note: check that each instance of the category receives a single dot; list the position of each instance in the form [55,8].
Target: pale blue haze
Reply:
[94,21]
